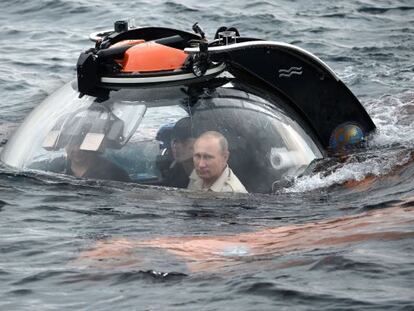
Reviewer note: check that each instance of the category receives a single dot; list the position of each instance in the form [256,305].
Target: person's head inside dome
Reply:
[91,164]
[211,170]
[181,141]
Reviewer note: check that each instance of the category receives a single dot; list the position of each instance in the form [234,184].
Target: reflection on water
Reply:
[213,252]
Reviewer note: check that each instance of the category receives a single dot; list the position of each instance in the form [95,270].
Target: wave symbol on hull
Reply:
[287,73]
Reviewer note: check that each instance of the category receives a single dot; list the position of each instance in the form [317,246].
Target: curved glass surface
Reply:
[147,135]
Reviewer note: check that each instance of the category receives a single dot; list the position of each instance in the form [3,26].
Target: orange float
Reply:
[151,56]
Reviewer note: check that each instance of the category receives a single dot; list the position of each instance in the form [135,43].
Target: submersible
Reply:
[279,106]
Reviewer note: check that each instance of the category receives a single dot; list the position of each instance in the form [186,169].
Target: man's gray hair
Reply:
[224,145]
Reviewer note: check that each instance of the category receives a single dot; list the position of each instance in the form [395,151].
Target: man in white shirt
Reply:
[211,171]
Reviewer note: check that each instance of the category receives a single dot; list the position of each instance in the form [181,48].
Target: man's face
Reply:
[76,155]
[182,149]
[209,160]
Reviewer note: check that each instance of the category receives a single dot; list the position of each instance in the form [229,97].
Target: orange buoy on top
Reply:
[151,56]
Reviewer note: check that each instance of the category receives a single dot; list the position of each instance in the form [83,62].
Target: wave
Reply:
[382,10]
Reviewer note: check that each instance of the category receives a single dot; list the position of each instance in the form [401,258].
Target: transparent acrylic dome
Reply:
[138,135]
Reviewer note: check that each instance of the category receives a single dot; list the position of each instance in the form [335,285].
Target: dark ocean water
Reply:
[341,240]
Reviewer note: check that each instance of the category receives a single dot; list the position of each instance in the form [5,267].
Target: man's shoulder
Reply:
[105,169]
[234,183]
[176,176]
[56,165]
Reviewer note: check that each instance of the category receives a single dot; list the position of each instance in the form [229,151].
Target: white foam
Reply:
[394,124]
[395,127]
[353,171]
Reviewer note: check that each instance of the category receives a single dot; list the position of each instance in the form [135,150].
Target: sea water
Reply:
[68,244]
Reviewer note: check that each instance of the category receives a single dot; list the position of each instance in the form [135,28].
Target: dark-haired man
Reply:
[182,141]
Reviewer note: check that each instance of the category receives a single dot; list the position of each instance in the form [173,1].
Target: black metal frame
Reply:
[310,87]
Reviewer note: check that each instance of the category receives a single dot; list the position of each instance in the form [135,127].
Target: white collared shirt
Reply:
[227,182]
